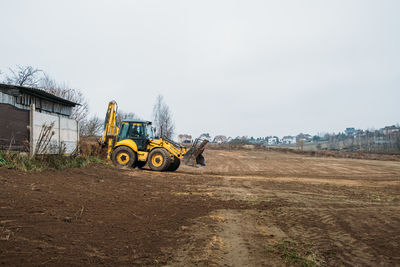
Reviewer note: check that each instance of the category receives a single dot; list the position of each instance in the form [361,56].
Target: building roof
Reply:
[17,90]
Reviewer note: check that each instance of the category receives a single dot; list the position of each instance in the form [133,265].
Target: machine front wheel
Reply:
[123,156]
[174,165]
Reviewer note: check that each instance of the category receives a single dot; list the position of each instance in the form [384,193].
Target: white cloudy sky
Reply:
[229,67]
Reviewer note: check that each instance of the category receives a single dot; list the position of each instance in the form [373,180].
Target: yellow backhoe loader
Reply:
[133,145]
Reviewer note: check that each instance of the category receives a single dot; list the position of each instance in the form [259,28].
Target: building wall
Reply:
[17,119]
[66,132]
[14,132]
[184,138]
[7,99]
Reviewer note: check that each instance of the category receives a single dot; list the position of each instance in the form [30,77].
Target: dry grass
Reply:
[90,152]
[23,162]
[89,146]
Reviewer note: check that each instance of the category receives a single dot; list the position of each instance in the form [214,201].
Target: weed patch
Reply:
[292,254]
[23,162]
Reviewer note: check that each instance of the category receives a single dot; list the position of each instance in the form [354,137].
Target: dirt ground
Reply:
[246,208]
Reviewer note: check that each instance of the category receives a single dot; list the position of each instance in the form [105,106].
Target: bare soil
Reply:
[246,208]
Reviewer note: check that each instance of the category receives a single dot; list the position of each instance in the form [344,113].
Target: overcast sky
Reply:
[253,68]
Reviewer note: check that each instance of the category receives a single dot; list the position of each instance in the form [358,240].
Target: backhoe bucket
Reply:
[194,156]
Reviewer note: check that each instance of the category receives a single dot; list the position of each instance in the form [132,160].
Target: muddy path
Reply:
[246,208]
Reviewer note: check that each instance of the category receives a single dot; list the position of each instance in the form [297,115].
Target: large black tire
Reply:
[123,156]
[140,164]
[174,165]
[159,159]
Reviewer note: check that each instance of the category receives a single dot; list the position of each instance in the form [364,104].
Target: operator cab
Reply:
[138,131]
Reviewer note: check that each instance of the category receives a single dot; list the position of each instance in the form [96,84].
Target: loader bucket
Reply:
[201,160]
[194,156]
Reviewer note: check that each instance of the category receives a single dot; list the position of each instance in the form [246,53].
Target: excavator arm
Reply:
[110,128]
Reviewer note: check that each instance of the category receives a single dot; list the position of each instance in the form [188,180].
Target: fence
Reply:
[64,133]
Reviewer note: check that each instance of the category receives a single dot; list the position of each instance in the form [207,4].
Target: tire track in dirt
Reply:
[341,235]
[229,237]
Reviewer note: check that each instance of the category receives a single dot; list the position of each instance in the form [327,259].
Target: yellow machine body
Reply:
[160,154]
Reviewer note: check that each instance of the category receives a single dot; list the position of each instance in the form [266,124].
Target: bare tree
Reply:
[47,83]
[121,116]
[24,76]
[79,112]
[163,122]
[92,127]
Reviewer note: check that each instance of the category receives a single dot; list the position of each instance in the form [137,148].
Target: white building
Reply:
[272,141]
[185,139]
[289,140]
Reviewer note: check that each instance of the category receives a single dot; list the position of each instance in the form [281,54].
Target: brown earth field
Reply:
[246,208]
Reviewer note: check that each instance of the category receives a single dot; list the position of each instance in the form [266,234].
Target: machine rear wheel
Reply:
[159,159]
[174,165]
[123,156]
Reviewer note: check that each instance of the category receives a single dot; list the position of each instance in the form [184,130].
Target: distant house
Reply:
[24,111]
[304,137]
[391,129]
[220,139]
[185,139]
[380,140]
[288,140]
[273,141]
[350,131]
[359,132]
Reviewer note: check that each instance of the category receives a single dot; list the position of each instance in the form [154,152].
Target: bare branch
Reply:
[24,76]
[79,112]
[91,127]
[44,139]
[121,116]
[163,118]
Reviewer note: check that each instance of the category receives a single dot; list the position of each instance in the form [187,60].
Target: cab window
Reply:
[123,131]
[136,130]
[149,131]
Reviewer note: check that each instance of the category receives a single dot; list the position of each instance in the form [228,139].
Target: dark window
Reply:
[123,131]
[136,130]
